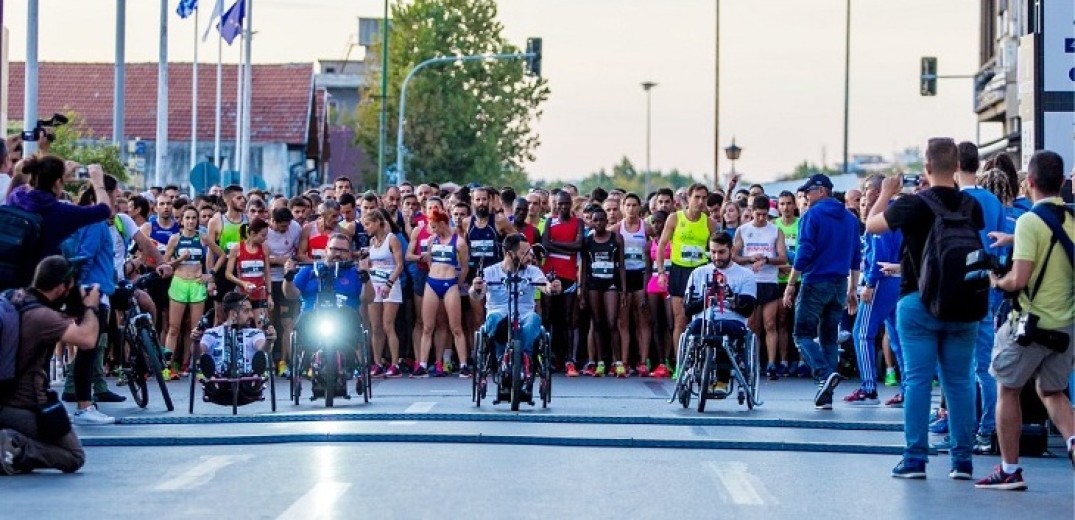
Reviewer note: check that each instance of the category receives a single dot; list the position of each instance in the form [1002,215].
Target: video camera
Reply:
[72,303]
[980,264]
[42,126]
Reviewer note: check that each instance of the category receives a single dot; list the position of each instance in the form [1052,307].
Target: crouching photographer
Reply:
[1034,338]
[35,430]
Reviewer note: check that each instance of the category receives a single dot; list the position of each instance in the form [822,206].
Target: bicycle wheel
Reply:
[477,377]
[328,370]
[296,373]
[544,350]
[152,350]
[194,371]
[136,377]
[516,375]
[707,377]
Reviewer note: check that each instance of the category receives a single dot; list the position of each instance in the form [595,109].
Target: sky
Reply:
[781,64]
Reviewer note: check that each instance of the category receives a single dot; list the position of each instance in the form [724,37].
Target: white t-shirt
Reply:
[213,341]
[760,240]
[5,183]
[283,244]
[497,297]
[740,280]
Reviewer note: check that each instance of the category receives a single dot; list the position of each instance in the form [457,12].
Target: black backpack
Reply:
[10,327]
[941,286]
[20,234]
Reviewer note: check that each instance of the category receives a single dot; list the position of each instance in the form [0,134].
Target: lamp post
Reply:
[732,153]
[646,86]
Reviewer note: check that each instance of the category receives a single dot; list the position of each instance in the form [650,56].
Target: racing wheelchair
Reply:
[509,375]
[322,341]
[241,384]
[714,350]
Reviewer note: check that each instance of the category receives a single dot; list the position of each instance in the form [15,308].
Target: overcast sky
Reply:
[782,65]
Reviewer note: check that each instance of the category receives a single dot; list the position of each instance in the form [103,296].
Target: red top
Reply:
[318,243]
[423,243]
[251,267]
[566,266]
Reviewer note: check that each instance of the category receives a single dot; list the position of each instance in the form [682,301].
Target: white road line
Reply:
[741,488]
[318,502]
[201,473]
[420,407]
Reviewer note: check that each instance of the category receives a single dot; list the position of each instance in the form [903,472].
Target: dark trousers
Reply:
[65,454]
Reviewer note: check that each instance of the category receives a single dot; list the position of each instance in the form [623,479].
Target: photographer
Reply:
[1034,340]
[24,444]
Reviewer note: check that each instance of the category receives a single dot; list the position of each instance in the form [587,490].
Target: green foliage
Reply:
[74,142]
[624,175]
[805,169]
[465,122]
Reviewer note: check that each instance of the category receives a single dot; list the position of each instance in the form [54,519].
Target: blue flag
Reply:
[231,24]
[186,8]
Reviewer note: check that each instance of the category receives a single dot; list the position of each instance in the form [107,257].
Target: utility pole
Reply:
[248,87]
[847,79]
[716,104]
[382,132]
[647,86]
[161,146]
[120,78]
[29,105]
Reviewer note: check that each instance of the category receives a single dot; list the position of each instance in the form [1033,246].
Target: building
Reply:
[287,116]
[344,83]
[1026,79]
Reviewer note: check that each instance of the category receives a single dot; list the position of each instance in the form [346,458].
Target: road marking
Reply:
[741,488]
[658,389]
[317,502]
[201,473]
[444,391]
[420,407]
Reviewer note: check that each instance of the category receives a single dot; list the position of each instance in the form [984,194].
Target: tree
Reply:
[625,176]
[75,142]
[806,169]
[465,122]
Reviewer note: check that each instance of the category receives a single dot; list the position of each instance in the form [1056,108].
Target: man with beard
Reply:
[390,202]
[483,231]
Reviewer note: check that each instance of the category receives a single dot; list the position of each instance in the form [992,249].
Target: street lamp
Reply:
[646,86]
[732,153]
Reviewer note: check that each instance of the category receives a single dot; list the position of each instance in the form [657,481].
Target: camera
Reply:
[911,181]
[980,263]
[42,125]
[82,173]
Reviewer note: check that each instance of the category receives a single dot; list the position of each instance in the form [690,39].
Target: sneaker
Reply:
[998,479]
[447,367]
[569,369]
[419,373]
[770,372]
[861,398]
[281,369]
[939,426]
[9,453]
[910,468]
[91,417]
[619,369]
[803,371]
[589,370]
[377,370]
[823,398]
[121,379]
[961,470]
[642,370]
[983,444]
[464,372]
[942,446]
[438,370]
[173,375]
[782,370]
[890,378]
[108,397]
[895,402]
[392,371]
[600,369]
[661,372]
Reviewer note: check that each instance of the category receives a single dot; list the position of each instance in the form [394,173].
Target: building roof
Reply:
[281,98]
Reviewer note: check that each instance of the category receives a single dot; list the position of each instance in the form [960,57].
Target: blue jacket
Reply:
[829,245]
[880,248]
[94,242]
[993,214]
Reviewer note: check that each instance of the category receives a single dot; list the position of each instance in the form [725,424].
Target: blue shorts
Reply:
[440,287]
[418,280]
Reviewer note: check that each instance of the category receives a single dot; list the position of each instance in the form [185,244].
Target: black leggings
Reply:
[85,359]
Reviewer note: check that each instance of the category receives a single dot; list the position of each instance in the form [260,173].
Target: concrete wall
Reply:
[271,161]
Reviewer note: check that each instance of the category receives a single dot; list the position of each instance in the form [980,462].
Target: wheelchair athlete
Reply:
[517,260]
[215,355]
[740,290]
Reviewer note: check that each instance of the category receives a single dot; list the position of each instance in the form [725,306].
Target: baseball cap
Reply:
[818,180]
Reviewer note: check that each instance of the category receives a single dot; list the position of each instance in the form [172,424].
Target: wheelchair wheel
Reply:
[194,371]
[516,375]
[545,351]
[272,384]
[329,374]
[233,373]
[753,374]
[477,377]
[364,385]
[293,380]
[707,376]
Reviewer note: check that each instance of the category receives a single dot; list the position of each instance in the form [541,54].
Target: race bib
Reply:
[692,254]
[602,269]
[380,275]
[483,248]
[318,254]
[634,254]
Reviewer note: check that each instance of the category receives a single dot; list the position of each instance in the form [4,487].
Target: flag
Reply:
[218,9]
[231,24]
[186,8]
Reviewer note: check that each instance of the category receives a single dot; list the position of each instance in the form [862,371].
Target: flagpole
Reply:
[161,145]
[194,100]
[238,115]
[216,127]
[247,96]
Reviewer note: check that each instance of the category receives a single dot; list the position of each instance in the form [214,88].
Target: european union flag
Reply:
[231,24]
[186,8]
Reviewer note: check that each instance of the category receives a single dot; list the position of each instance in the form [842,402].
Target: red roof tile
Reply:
[281,98]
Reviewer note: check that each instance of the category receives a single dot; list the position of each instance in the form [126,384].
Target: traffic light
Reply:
[533,63]
[928,79]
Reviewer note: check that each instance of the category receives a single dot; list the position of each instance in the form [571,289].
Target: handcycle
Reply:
[144,356]
[327,358]
[511,380]
[244,386]
[717,345]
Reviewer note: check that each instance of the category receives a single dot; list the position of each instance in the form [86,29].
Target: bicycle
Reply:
[144,354]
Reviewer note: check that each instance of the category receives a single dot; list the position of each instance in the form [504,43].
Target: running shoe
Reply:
[961,470]
[890,378]
[281,369]
[392,371]
[661,372]
[823,398]
[464,371]
[377,370]
[910,469]
[619,369]
[167,374]
[895,402]
[600,369]
[419,373]
[642,370]
[983,444]
[939,426]
[438,370]
[861,398]
[771,373]
[569,369]
[803,371]
[91,417]
[173,375]
[998,479]
[10,453]
[782,370]
[590,370]
[447,367]
[108,396]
